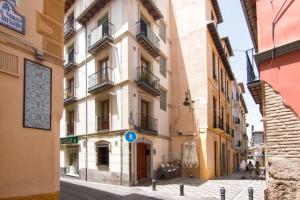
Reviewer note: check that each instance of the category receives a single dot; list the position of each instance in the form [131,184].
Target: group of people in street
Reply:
[248,168]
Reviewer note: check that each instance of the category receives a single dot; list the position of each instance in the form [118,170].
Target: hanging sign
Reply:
[10,18]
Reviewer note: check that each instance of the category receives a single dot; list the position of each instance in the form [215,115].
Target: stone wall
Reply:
[282,127]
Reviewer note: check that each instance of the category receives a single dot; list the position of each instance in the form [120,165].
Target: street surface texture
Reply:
[236,189]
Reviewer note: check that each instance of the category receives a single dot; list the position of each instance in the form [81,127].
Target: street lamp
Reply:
[188,100]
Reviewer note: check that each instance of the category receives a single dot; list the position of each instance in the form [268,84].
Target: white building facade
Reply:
[117,73]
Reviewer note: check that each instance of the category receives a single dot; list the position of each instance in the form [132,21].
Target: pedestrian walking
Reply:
[243,166]
[250,167]
[257,169]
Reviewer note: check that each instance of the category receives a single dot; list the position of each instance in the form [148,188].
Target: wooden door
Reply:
[144,114]
[105,115]
[141,161]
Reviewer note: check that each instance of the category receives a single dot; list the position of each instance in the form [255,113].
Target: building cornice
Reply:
[278,51]
[217,42]
[217,10]
[250,15]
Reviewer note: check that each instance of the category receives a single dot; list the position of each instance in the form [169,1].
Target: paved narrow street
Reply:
[236,189]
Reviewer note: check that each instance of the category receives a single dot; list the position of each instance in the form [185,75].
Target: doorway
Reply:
[143,161]
[224,167]
[72,161]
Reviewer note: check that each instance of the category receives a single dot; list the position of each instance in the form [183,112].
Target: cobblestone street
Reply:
[236,189]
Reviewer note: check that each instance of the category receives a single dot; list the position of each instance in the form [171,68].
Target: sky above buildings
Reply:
[235,27]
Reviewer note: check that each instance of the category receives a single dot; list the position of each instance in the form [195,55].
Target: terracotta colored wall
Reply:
[30,157]
[283,76]
[282,73]
[286,24]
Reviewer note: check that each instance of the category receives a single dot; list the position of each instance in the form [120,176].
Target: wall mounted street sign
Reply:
[130,136]
[10,18]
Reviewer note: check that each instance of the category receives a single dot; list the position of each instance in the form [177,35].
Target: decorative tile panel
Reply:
[37,95]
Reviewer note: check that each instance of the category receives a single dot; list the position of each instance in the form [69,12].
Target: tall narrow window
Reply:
[70,123]
[163,100]
[214,112]
[214,65]
[222,118]
[102,150]
[221,80]
[162,31]
[163,66]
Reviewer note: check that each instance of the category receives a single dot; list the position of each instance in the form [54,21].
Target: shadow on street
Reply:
[71,191]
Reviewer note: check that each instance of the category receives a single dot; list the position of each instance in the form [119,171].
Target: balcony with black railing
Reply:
[145,123]
[253,82]
[103,123]
[147,39]
[70,129]
[101,80]
[69,28]
[152,9]
[100,37]
[70,62]
[148,81]
[69,96]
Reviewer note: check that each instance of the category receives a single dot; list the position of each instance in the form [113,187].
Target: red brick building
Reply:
[275,32]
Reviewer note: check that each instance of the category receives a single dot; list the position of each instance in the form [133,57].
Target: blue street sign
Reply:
[130,136]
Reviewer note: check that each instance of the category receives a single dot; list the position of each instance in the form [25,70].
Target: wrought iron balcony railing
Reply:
[101,80]
[145,123]
[69,28]
[69,95]
[251,77]
[148,81]
[70,60]
[103,122]
[147,38]
[100,37]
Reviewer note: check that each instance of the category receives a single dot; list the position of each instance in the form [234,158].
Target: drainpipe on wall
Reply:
[219,93]
[86,111]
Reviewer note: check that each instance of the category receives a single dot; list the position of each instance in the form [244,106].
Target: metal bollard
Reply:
[250,193]
[222,192]
[153,185]
[181,190]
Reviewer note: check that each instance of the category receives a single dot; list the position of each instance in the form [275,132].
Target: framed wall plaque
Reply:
[37,95]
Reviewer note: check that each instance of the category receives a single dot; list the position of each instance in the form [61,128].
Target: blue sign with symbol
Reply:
[130,136]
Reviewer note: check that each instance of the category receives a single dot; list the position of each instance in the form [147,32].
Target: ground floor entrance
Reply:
[143,161]
[72,160]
